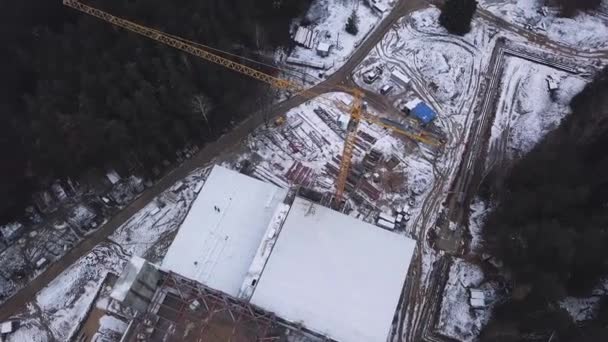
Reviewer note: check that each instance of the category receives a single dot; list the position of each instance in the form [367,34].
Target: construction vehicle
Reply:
[356,110]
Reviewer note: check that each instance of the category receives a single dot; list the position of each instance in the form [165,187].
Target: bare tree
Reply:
[202,105]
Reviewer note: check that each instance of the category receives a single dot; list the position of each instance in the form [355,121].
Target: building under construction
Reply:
[251,263]
[180,309]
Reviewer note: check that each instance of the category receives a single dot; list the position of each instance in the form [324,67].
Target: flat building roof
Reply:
[219,238]
[334,274]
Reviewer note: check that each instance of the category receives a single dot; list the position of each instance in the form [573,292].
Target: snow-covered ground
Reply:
[444,70]
[583,31]
[479,212]
[328,20]
[457,319]
[57,310]
[582,309]
[527,109]
[18,262]
[149,233]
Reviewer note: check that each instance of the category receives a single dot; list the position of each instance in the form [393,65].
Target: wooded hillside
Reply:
[79,93]
[551,228]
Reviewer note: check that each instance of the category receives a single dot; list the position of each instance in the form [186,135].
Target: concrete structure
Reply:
[336,275]
[137,284]
[219,238]
[380,7]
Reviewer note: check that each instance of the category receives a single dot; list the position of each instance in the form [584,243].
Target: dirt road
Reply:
[226,144]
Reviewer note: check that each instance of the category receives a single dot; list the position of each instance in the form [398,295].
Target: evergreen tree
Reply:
[81,94]
[456,16]
[570,7]
[352,24]
[549,228]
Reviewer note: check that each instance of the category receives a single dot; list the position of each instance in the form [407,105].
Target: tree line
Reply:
[456,15]
[550,228]
[80,93]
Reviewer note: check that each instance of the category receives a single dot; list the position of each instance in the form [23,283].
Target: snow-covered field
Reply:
[457,318]
[149,232]
[57,310]
[527,109]
[583,31]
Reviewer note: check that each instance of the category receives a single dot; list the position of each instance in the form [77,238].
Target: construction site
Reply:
[241,269]
[340,212]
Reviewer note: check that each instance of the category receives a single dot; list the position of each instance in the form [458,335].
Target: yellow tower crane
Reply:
[356,109]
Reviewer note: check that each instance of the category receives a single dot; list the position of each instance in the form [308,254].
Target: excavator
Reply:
[356,110]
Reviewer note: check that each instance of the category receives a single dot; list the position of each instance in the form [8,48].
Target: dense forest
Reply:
[550,228]
[79,93]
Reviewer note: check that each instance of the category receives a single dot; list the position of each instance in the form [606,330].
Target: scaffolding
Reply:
[184,310]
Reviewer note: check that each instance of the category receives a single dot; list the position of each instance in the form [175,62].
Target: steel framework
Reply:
[184,310]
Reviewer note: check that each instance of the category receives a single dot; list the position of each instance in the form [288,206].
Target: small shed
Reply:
[552,83]
[113,176]
[304,37]
[323,49]
[421,111]
[478,298]
[380,7]
[400,78]
[386,224]
[8,327]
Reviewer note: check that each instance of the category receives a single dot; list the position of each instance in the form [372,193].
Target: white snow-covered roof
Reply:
[380,7]
[303,36]
[477,303]
[219,238]
[6,327]
[398,76]
[113,176]
[323,47]
[386,224]
[336,275]
[412,104]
